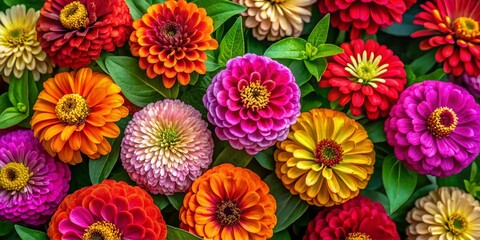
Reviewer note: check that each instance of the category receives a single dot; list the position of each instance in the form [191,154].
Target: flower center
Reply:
[227,213]
[255,96]
[442,121]
[328,152]
[74,16]
[168,138]
[14,176]
[170,29]
[365,69]
[72,109]
[466,28]
[358,236]
[16,36]
[457,224]
[102,230]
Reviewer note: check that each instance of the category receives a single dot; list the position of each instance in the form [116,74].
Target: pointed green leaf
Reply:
[316,67]
[320,32]
[30,234]
[220,10]
[289,48]
[327,50]
[11,116]
[231,155]
[176,200]
[174,233]
[232,44]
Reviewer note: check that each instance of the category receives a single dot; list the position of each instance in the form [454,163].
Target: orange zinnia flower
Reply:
[170,39]
[76,112]
[228,203]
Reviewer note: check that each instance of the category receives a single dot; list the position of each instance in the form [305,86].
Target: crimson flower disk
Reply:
[253,102]
[73,33]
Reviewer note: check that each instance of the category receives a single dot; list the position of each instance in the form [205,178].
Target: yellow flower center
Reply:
[442,121]
[16,36]
[168,138]
[365,69]
[466,28]
[102,230]
[227,213]
[457,224]
[74,16]
[14,176]
[328,152]
[72,109]
[255,96]
[358,236]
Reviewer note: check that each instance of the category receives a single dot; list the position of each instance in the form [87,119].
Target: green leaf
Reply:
[220,10]
[289,207]
[194,95]
[18,89]
[404,29]
[289,48]
[435,75]
[232,44]
[36,4]
[326,50]
[376,132]
[136,86]
[320,32]
[11,116]
[306,89]
[4,102]
[160,200]
[423,64]
[137,8]
[231,155]
[283,235]
[176,200]
[378,197]
[399,182]
[30,234]
[265,158]
[316,67]
[297,67]
[174,233]
[5,228]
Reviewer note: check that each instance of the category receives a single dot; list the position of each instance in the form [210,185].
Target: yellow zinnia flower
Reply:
[446,213]
[19,48]
[326,159]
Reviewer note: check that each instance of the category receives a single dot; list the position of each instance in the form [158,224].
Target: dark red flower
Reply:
[359,218]
[364,15]
[367,75]
[453,27]
[73,33]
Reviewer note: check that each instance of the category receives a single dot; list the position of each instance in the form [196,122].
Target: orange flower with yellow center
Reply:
[170,40]
[326,159]
[229,203]
[76,112]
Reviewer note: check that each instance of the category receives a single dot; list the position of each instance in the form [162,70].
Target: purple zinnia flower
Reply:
[253,102]
[434,128]
[32,183]
[166,146]
[471,83]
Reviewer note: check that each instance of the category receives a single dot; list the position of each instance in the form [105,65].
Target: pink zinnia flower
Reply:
[166,146]
[253,102]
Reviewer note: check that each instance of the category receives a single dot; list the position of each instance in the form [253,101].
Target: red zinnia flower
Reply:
[364,15]
[359,218]
[170,40]
[367,75]
[453,26]
[73,33]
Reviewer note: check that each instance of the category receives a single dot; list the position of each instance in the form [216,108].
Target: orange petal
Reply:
[88,147]
[53,131]
[67,132]
[183,78]
[96,119]
[75,141]
[110,130]
[168,82]
[96,96]
[57,144]
[104,147]
[66,155]
[93,135]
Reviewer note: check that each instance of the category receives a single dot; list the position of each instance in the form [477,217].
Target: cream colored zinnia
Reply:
[275,19]
[19,48]
[447,213]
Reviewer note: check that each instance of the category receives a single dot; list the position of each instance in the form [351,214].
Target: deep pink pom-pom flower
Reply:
[32,183]
[434,128]
[253,102]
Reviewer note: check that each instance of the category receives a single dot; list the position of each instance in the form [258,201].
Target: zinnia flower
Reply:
[253,102]
[446,213]
[368,76]
[471,83]
[229,203]
[76,112]
[326,159]
[359,218]
[275,19]
[453,27]
[32,183]
[166,146]
[170,40]
[434,128]
[361,16]
[19,48]
[109,210]
[73,33]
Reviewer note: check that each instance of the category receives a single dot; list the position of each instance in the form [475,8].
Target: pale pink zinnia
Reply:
[166,146]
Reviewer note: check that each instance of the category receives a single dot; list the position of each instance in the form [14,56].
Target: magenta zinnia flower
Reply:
[166,146]
[32,183]
[471,83]
[434,128]
[253,102]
